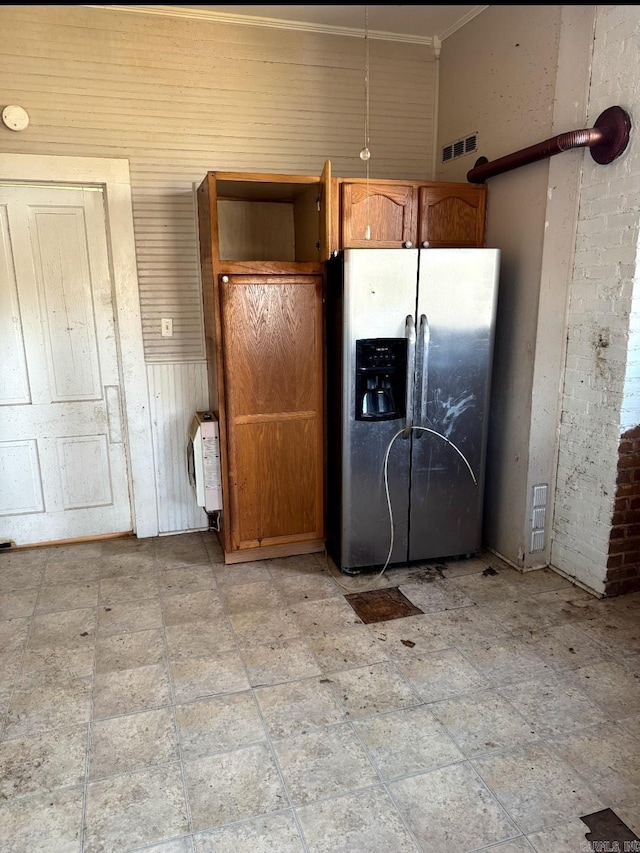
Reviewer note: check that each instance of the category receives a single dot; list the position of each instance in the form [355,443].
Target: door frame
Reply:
[113,176]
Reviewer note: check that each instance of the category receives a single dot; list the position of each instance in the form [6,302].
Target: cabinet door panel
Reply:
[269,327]
[272,345]
[452,217]
[388,209]
[277,476]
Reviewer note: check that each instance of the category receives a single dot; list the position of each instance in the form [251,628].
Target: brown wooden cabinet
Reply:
[272,342]
[452,216]
[409,214]
[263,240]
[388,209]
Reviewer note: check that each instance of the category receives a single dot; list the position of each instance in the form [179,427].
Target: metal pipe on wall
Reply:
[607,140]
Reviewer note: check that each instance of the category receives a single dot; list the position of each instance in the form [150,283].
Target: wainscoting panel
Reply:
[176,392]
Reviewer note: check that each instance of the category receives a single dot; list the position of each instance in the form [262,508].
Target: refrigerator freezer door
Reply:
[379,294]
[457,292]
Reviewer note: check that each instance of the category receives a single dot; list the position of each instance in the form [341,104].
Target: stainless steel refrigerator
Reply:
[410,335]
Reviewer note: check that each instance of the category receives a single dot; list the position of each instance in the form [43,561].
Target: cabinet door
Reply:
[389,210]
[272,350]
[327,238]
[452,217]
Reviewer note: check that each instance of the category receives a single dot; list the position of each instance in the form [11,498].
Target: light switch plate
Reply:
[166,327]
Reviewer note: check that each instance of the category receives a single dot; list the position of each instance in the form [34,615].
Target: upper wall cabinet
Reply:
[451,216]
[275,219]
[409,214]
[380,213]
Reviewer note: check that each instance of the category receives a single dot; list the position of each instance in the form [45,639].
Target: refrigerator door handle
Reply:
[410,334]
[425,339]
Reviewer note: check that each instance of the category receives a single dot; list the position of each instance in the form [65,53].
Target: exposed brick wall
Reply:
[623,563]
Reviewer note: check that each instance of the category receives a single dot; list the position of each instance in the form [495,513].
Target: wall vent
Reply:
[466,145]
[538,516]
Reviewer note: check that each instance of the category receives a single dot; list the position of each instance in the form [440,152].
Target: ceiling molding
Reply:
[464,20]
[274,23]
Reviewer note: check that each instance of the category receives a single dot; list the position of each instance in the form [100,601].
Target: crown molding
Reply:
[471,14]
[272,23]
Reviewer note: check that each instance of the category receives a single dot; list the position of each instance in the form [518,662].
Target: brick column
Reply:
[623,563]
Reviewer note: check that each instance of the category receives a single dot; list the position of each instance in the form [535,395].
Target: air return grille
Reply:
[538,516]
[466,145]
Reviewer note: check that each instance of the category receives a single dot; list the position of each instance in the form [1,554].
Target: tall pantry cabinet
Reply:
[263,243]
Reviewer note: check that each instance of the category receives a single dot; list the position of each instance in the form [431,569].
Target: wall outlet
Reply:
[166,328]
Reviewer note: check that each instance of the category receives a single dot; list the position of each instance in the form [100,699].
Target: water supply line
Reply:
[607,140]
[385,475]
[385,469]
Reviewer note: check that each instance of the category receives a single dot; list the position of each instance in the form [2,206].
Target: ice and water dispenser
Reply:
[381,377]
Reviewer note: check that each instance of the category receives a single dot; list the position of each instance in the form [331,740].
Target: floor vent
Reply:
[381,605]
[466,145]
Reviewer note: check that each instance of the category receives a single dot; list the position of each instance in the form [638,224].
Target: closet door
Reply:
[273,372]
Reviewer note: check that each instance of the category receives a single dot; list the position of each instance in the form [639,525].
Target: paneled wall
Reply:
[178,97]
[176,391]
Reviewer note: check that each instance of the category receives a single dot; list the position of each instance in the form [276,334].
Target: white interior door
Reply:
[63,459]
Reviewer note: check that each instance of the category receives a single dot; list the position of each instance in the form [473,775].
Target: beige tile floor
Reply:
[152,698]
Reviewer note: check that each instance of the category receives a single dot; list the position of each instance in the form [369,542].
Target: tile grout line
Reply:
[174,716]
[268,739]
[283,780]
[85,798]
[23,652]
[385,787]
